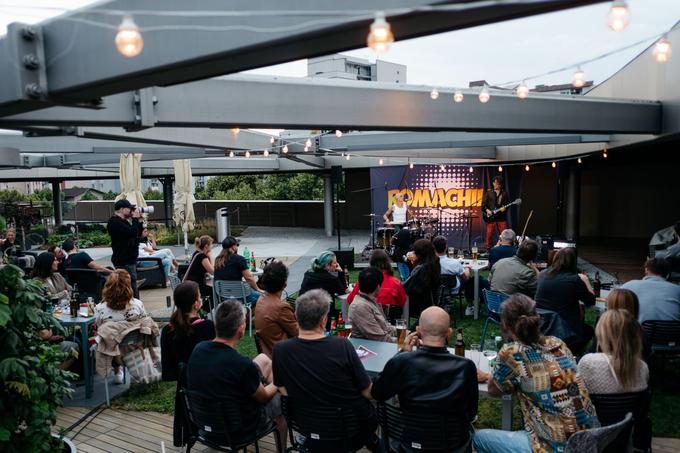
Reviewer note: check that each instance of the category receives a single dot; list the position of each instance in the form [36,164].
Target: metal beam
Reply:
[268,102]
[81,63]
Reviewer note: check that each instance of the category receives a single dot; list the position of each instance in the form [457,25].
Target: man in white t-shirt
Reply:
[399,212]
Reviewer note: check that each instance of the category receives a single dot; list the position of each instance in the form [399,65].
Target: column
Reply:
[328,205]
[573,203]
[56,202]
[167,199]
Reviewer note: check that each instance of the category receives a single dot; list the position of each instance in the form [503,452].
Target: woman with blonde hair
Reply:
[619,367]
[201,263]
[624,299]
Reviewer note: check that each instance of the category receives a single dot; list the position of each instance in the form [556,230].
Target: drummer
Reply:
[399,212]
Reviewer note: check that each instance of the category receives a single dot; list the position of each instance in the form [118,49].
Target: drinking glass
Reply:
[476,350]
[490,355]
[474,253]
[452,252]
[401,332]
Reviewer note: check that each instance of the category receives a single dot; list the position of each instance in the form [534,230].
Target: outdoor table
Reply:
[67,321]
[480,264]
[385,351]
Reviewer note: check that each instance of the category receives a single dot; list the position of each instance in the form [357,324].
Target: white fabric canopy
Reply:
[184,198]
[131,179]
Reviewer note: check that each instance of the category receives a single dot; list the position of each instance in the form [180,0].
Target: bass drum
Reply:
[384,237]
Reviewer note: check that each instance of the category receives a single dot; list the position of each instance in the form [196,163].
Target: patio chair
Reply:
[422,430]
[227,289]
[612,408]
[450,292]
[212,420]
[614,438]
[151,269]
[321,428]
[493,308]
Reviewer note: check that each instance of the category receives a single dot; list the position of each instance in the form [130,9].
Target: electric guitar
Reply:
[494,212]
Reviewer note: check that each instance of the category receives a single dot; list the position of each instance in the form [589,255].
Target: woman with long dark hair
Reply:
[392,292]
[422,286]
[560,288]
[46,269]
[231,266]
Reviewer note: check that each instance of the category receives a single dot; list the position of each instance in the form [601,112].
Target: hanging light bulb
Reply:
[458,96]
[306,148]
[500,169]
[604,153]
[381,162]
[618,17]
[285,149]
[553,165]
[231,154]
[380,37]
[526,167]
[129,42]
[247,154]
[578,79]
[272,139]
[347,157]
[338,133]
[662,50]
[522,91]
[579,160]
[266,153]
[308,143]
[235,130]
[484,96]
[471,170]
[434,94]
[410,165]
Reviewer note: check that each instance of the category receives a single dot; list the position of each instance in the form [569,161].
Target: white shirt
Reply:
[399,214]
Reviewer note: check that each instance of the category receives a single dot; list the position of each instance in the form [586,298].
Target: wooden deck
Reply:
[117,431]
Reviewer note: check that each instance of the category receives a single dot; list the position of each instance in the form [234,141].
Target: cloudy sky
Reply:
[499,53]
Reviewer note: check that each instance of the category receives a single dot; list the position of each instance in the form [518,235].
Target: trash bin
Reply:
[223,224]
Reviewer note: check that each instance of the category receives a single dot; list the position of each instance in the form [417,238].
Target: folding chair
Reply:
[226,289]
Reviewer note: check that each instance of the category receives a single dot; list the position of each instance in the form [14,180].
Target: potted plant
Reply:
[32,385]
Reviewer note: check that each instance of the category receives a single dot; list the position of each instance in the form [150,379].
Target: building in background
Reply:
[75,194]
[340,66]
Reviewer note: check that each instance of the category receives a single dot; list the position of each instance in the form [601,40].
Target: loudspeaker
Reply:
[545,243]
[345,257]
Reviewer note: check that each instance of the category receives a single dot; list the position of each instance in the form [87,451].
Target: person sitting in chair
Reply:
[78,259]
[365,314]
[231,266]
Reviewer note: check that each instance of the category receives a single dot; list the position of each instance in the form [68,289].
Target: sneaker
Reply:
[470,311]
[118,376]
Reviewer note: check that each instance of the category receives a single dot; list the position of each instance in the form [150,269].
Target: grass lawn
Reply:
[160,397]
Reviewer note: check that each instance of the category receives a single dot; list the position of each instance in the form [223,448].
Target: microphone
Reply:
[385,185]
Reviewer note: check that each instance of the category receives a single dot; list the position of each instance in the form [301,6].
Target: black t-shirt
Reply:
[196,272]
[325,372]
[79,260]
[562,294]
[332,283]
[177,348]
[232,269]
[219,372]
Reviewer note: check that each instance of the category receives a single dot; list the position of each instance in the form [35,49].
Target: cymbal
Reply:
[369,215]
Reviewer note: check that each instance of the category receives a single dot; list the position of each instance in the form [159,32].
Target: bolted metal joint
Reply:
[29,33]
[33,90]
[31,61]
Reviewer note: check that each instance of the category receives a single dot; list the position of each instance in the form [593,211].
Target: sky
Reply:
[498,53]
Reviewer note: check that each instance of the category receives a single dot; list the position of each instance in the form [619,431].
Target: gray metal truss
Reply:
[71,59]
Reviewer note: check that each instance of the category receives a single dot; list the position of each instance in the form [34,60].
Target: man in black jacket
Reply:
[125,230]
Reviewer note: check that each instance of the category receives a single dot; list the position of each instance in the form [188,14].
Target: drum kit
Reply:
[418,228]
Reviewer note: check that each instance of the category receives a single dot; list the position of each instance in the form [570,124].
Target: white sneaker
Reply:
[118,376]
[470,311]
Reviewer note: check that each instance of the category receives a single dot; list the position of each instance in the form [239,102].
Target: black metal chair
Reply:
[89,282]
[663,337]
[451,291]
[607,439]
[422,430]
[153,274]
[323,428]
[212,420]
[612,408]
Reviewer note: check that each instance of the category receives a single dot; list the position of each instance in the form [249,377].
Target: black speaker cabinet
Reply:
[345,257]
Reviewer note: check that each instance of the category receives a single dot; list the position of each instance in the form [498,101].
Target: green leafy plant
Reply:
[32,385]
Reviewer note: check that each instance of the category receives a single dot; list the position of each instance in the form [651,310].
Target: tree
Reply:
[88,196]
[110,195]
[300,186]
[41,195]
[11,196]
[152,194]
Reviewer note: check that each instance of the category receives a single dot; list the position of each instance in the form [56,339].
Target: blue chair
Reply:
[493,309]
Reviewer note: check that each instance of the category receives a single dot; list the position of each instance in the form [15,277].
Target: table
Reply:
[385,351]
[83,322]
[480,264]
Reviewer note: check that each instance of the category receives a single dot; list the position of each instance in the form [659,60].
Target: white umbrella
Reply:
[184,199]
[131,179]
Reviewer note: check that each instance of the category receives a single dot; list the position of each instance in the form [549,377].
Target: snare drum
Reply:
[413,224]
[384,236]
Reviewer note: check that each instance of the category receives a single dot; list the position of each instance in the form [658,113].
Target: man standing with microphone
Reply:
[125,230]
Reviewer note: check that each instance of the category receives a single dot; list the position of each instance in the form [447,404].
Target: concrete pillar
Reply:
[573,203]
[56,202]
[167,200]
[328,205]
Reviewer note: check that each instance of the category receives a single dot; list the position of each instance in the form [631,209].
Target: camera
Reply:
[145,209]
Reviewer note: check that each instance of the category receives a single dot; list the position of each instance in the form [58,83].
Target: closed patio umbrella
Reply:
[184,199]
[131,179]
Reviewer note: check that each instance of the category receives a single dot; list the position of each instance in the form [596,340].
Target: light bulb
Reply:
[285,149]
[604,153]
[471,170]
[522,91]
[338,133]
[306,148]
[526,167]
[410,165]
[553,165]
[381,161]
[618,17]
[380,36]
[500,169]
[266,153]
[484,96]
[578,79]
[662,50]
[308,143]
[129,40]
[271,140]
[458,96]
[235,130]
[231,154]
[247,154]
[434,94]
[579,160]
[347,157]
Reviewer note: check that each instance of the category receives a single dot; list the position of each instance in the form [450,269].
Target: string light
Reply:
[338,133]
[618,17]
[553,165]
[458,96]
[380,36]
[604,153]
[285,149]
[484,96]
[306,148]
[308,143]
[381,162]
[410,165]
[266,153]
[235,130]
[526,167]
[271,140]
[522,91]
[129,42]
[471,170]
[578,79]
[247,154]
[500,169]
[231,154]
[347,157]
[579,160]
[662,50]
[434,94]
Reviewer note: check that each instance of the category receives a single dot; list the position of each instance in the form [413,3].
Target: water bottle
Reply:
[246,254]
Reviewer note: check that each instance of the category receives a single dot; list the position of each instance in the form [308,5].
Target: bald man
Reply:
[431,378]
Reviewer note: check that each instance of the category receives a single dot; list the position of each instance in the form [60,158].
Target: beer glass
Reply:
[474,253]
[452,252]
[401,332]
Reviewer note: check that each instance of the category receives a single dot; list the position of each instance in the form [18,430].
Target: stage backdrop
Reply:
[451,196]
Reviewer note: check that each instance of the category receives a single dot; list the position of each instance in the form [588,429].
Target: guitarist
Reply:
[495,199]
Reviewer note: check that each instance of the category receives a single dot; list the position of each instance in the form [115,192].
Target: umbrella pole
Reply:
[186,244]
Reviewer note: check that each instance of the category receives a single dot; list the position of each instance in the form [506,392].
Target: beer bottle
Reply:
[334,331]
[246,254]
[597,284]
[459,347]
[75,302]
[341,325]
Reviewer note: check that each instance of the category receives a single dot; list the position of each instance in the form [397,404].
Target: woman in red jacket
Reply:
[391,291]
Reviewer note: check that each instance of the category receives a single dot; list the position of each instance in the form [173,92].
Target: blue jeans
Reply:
[404,271]
[498,441]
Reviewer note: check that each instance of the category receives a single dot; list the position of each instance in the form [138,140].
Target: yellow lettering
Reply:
[439,198]
[451,199]
[422,199]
